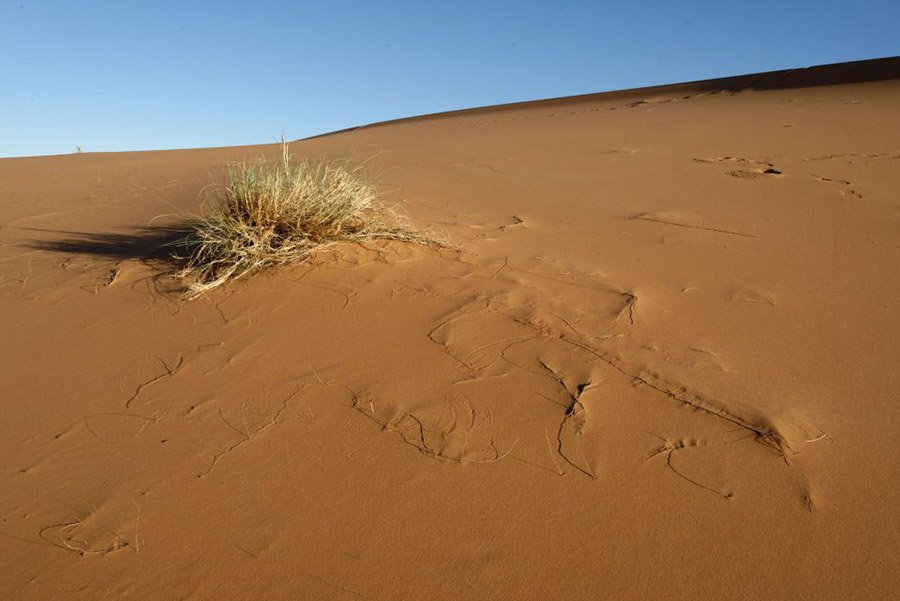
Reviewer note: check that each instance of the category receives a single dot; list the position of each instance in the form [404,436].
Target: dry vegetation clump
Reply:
[272,213]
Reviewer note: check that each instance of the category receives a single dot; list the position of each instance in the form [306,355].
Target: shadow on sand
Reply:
[157,246]
[153,242]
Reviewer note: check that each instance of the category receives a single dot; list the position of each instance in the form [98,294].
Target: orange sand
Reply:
[663,365]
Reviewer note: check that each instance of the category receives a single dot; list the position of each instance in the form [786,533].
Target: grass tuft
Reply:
[273,213]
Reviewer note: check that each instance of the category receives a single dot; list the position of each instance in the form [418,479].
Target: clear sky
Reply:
[129,75]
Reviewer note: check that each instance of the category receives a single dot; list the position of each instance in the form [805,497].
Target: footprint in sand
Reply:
[754,173]
[754,167]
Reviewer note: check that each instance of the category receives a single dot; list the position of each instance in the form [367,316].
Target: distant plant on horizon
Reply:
[273,213]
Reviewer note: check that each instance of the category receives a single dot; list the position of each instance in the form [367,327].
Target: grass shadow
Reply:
[156,246]
[152,243]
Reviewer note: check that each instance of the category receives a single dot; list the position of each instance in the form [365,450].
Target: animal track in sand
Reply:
[670,446]
[549,336]
[625,151]
[97,532]
[454,432]
[479,166]
[516,221]
[754,173]
[668,99]
[850,156]
[485,227]
[845,187]
[693,222]
[751,296]
[167,372]
[82,538]
[248,433]
[113,427]
[756,167]
[763,167]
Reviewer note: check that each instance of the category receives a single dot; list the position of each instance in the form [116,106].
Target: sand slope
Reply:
[662,365]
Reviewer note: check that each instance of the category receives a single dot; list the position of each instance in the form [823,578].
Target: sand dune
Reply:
[659,363]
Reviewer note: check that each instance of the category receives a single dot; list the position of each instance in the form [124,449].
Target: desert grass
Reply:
[271,213]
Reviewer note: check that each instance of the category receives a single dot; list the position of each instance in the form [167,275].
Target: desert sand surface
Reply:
[661,362]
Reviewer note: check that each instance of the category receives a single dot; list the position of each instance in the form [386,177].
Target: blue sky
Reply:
[130,75]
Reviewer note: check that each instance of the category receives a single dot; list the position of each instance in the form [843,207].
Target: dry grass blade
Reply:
[270,214]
